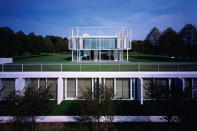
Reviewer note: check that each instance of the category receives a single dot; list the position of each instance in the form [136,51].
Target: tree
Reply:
[170,43]
[28,106]
[96,105]
[47,45]
[189,35]
[153,36]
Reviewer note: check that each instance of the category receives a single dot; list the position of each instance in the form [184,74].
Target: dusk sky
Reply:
[54,17]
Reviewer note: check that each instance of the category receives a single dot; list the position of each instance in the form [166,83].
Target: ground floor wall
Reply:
[67,86]
[97,55]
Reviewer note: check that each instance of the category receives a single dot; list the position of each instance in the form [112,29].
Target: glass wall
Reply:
[71,88]
[188,89]
[86,55]
[100,43]
[84,84]
[194,89]
[32,83]
[155,88]
[122,88]
[42,86]
[7,87]
[52,87]
[74,55]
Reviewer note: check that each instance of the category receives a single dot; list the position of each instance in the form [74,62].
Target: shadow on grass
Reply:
[33,56]
[68,58]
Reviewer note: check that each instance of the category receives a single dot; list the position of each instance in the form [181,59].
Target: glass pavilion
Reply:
[99,43]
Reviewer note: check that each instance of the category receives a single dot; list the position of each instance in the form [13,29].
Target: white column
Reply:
[59,90]
[20,86]
[92,87]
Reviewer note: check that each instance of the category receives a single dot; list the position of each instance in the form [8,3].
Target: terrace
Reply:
[99,67]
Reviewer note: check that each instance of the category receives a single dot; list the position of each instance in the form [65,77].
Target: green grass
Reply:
[55,57]
[56,62]
[100,67]
[52,57]
[153,58]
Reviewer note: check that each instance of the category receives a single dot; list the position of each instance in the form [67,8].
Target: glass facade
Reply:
[42,86]
[155,88]
[100,43]
[122,88]
[194,89]
[52,87]
[71,88]
[7,87]
[84,84]
[188,89]
[96,55]
[32,83]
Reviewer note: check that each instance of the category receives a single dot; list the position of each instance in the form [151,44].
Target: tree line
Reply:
[169,42]
[19,44]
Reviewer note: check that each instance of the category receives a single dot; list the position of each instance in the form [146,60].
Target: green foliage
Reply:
[170,43]
[18,44]
[27,107]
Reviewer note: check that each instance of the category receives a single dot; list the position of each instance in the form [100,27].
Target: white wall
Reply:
[6,60]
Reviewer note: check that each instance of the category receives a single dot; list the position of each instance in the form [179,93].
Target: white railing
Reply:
[157,67]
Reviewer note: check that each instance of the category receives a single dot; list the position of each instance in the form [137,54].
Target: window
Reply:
[52,87]
[71,88]
[187,93]
[122,88]
[86,43]
[106,43]
[155,88]
[93,43]
[113,42]
[32,83]
[194,89]
[42,86]
[84,84]
[7,87]
[109,83]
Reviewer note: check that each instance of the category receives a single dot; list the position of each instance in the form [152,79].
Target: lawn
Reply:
[153,58]
[62,62]
[51,57]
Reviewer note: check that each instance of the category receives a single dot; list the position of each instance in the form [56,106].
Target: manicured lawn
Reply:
[153,58]
[62,62]
[55,57]
[145,66]
[52,57]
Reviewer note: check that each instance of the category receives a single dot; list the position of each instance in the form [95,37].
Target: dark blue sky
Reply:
[54,17]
